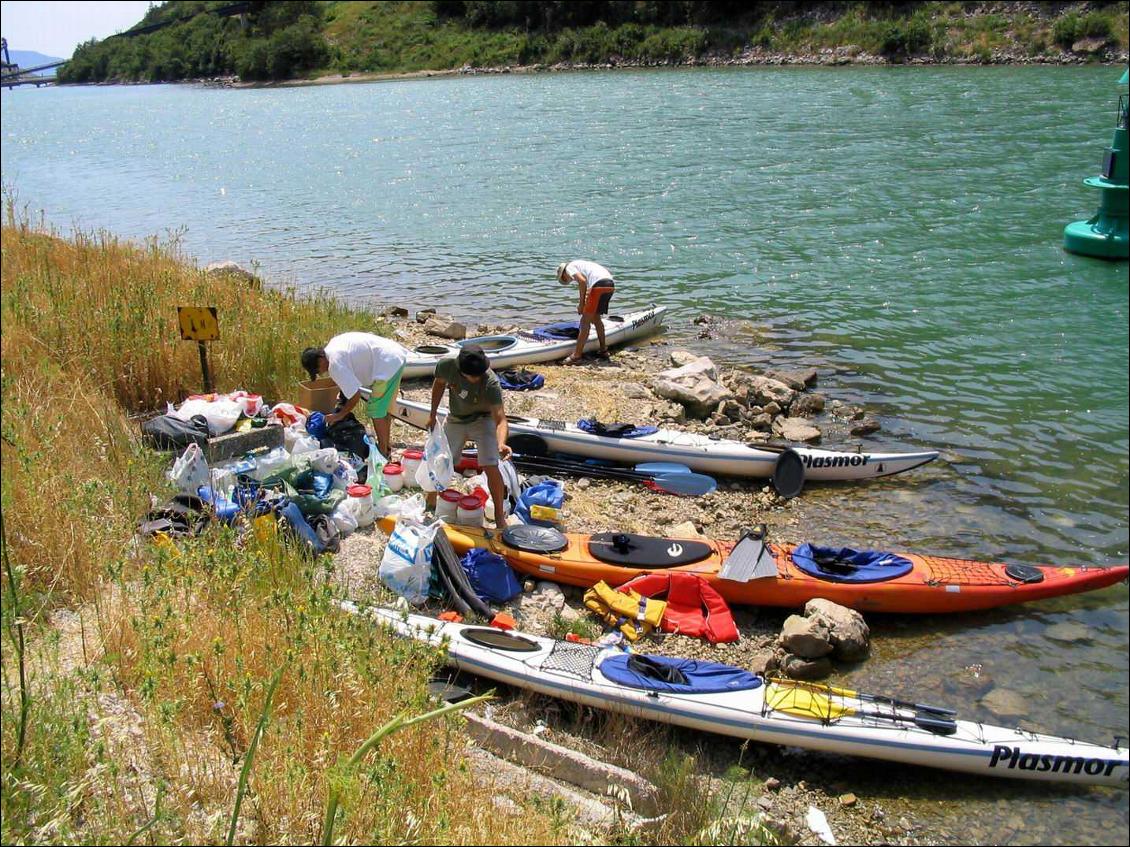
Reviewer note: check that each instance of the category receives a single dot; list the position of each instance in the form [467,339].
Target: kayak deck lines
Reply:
[817,717]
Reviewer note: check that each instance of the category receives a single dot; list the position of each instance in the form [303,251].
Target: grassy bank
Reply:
[134,676]
[311,39]
[403,37]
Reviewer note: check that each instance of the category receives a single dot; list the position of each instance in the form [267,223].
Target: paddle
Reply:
[661,468]
[788,474]
[683,484]
[809,700]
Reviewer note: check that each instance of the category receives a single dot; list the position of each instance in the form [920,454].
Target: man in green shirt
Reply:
[475,413]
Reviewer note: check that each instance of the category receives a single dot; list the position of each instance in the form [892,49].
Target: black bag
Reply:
[348,436]
[169,433]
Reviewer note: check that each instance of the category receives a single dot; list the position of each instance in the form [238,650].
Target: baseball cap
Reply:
[472,361]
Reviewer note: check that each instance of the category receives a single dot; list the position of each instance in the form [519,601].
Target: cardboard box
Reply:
[319,395]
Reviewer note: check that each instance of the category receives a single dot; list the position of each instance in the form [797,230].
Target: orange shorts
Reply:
[596,302]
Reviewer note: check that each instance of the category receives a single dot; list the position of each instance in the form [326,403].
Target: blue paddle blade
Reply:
[662,468]
[686,484]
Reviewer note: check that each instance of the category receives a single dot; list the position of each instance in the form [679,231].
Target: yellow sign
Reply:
[198,323]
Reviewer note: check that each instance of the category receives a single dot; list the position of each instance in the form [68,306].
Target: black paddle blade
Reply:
[788,474]
[938,726]
[528,444]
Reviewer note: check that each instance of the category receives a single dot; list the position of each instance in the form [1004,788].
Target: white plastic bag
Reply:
[437,468]
[190,471]
[411,508]
[275,461]
[324,459]
[344,475]
[343,517]
[305,443]
[406,567]
[221,414]
[361,509]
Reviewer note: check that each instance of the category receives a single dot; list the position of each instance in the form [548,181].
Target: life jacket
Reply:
[632,614]
[688,595]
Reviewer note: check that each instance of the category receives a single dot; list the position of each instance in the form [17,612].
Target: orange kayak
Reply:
[923,584]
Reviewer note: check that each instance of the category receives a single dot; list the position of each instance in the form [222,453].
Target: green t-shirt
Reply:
[468,401]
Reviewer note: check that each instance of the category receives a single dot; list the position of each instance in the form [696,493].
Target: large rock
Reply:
[231,269]
[807,406]
[808,638]
[693,386]
[686,529]
[866,426]
[850,635]
[764,390]
[445,327]
[798,667]
[797,430]
[797,380]
[685,357]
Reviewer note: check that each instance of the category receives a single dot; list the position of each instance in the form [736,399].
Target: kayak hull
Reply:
[934,585]
[721,457]
[505,351]
[814,717]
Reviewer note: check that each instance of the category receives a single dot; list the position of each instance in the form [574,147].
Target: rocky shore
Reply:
[634,387]
[1084,51]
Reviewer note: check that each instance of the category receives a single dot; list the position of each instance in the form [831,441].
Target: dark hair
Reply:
[311,357]
[472,361]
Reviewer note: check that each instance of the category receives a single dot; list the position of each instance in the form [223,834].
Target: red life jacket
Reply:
[687,596]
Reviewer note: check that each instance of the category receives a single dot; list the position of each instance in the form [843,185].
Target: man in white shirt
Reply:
[358,360]
[594,288]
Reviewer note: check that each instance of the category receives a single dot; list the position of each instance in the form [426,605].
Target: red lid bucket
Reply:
[359,490]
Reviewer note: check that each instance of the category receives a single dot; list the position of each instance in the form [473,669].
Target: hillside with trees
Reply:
[290,39]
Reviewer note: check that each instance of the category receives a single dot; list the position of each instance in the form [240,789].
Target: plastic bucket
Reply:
[394,476]
[469,511]
[447,505]
[410,463]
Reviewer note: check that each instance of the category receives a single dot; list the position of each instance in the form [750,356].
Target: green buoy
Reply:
[1107,234]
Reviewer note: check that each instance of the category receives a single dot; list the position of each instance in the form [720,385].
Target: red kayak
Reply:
[784,575]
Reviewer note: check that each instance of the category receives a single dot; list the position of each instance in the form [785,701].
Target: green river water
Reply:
[897,228]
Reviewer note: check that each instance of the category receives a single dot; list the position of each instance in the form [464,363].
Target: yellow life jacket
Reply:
[632,614]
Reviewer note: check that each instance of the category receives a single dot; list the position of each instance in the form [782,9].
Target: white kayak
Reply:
[700,453]
[731,701]
[523,348]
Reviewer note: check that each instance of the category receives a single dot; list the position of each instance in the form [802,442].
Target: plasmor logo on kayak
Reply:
[675,550]
[1013,758]
[840,460]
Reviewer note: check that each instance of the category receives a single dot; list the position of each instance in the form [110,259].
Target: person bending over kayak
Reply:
[474,413]
[358,360]
[594,287]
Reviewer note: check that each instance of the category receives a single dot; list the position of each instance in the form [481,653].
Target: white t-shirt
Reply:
[591,271]
[359,359]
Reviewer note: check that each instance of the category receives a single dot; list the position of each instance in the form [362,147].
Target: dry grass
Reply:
[143,743]
[107,309]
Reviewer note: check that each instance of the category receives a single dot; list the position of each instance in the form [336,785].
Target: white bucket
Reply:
[447,505]
[394,476]
[469,511]
[410,462]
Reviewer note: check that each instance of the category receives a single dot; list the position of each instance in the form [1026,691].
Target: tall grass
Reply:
[139,733]
[106,309]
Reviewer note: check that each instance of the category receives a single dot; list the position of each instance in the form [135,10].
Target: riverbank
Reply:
[368,41]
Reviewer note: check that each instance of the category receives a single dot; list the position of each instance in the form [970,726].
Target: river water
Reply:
[897,228]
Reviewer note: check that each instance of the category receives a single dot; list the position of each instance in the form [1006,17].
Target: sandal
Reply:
[603,354]
[572,360]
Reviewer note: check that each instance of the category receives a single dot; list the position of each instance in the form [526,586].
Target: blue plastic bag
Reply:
[549,493]
[491,577]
